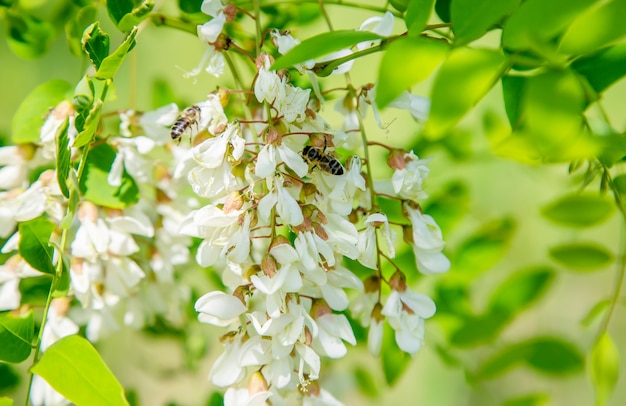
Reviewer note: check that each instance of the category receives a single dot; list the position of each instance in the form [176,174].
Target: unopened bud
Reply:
[234,201]
[320,308]
[268,265]
[257,384]
[273,136]
[398,281]
[372,284]
[320,231]
[88,212]
[396,159]
[377,313]
[230,12]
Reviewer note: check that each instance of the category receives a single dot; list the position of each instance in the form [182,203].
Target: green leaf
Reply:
[536,22]
[27,121]
[485,248]
[449,205]
[34,244]
[117,9]
[604,368]
[417,15]
[63,157]
[16,336]
[620,183]
[581,256]
[395,361]
[28,36]
[512,87]
[553,356]
[6,401]
[546,354]
[603,68]
[599,309]
[137,15]
[90,126]
[533,399]
[521,290]
[464,78]
[400,5]
[95,187]
[471,19]
[407,61]
[96,44]
[442,8]
[366,382]
[216,399]
[9,380]
[111,63]
[481,329]
[75,27]
[322,45]
[73,367]
[35,290]
[596,28]
[189,6]
[578,210]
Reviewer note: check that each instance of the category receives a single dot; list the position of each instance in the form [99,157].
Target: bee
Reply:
[190,116]
[320,158]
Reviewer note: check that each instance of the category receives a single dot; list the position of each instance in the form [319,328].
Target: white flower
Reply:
[219,309]
[427,243]
[375,337]
[382,26]
[333,328]
[408,182]
[286,206]
[408,325]
[241,397]
[267,160]
[11,273]
[227,370]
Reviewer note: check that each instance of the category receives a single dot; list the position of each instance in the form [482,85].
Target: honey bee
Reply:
[189,117]
[320,158]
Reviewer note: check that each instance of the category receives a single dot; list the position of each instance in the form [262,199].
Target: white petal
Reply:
[266,162]
[293,160]
[218,308]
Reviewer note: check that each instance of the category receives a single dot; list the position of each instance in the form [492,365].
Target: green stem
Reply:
[186,26]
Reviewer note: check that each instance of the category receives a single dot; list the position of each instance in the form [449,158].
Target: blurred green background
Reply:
[493,189]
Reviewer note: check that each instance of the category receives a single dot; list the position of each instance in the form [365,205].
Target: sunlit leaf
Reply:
[322,45]
[521,290]
[216,399]
[537,22]
[96,44]
[400,5]
[512,87]
[94,184]
[464,78]
[604,367]
[34,244]
[112,62]
[579,210]
[471,19]
[620,183]
[603,68]
[16,336]
[394,360]
[581,256]
[73,367]
[533,399]
[27,121]
[405,62]
[417,15]
[6,401]
[482,250]
[596,28]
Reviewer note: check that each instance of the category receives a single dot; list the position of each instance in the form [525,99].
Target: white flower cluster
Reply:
[283,215]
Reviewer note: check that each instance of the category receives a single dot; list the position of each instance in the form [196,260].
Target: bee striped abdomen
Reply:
[189,117]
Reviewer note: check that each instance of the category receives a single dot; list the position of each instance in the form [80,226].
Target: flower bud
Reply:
[398,281]
[278,240]
[268,265]
[273,136]
[230,11]
[377,312]
[320,308]
[88,212]
[257,383]
[396,159]
[372,284]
